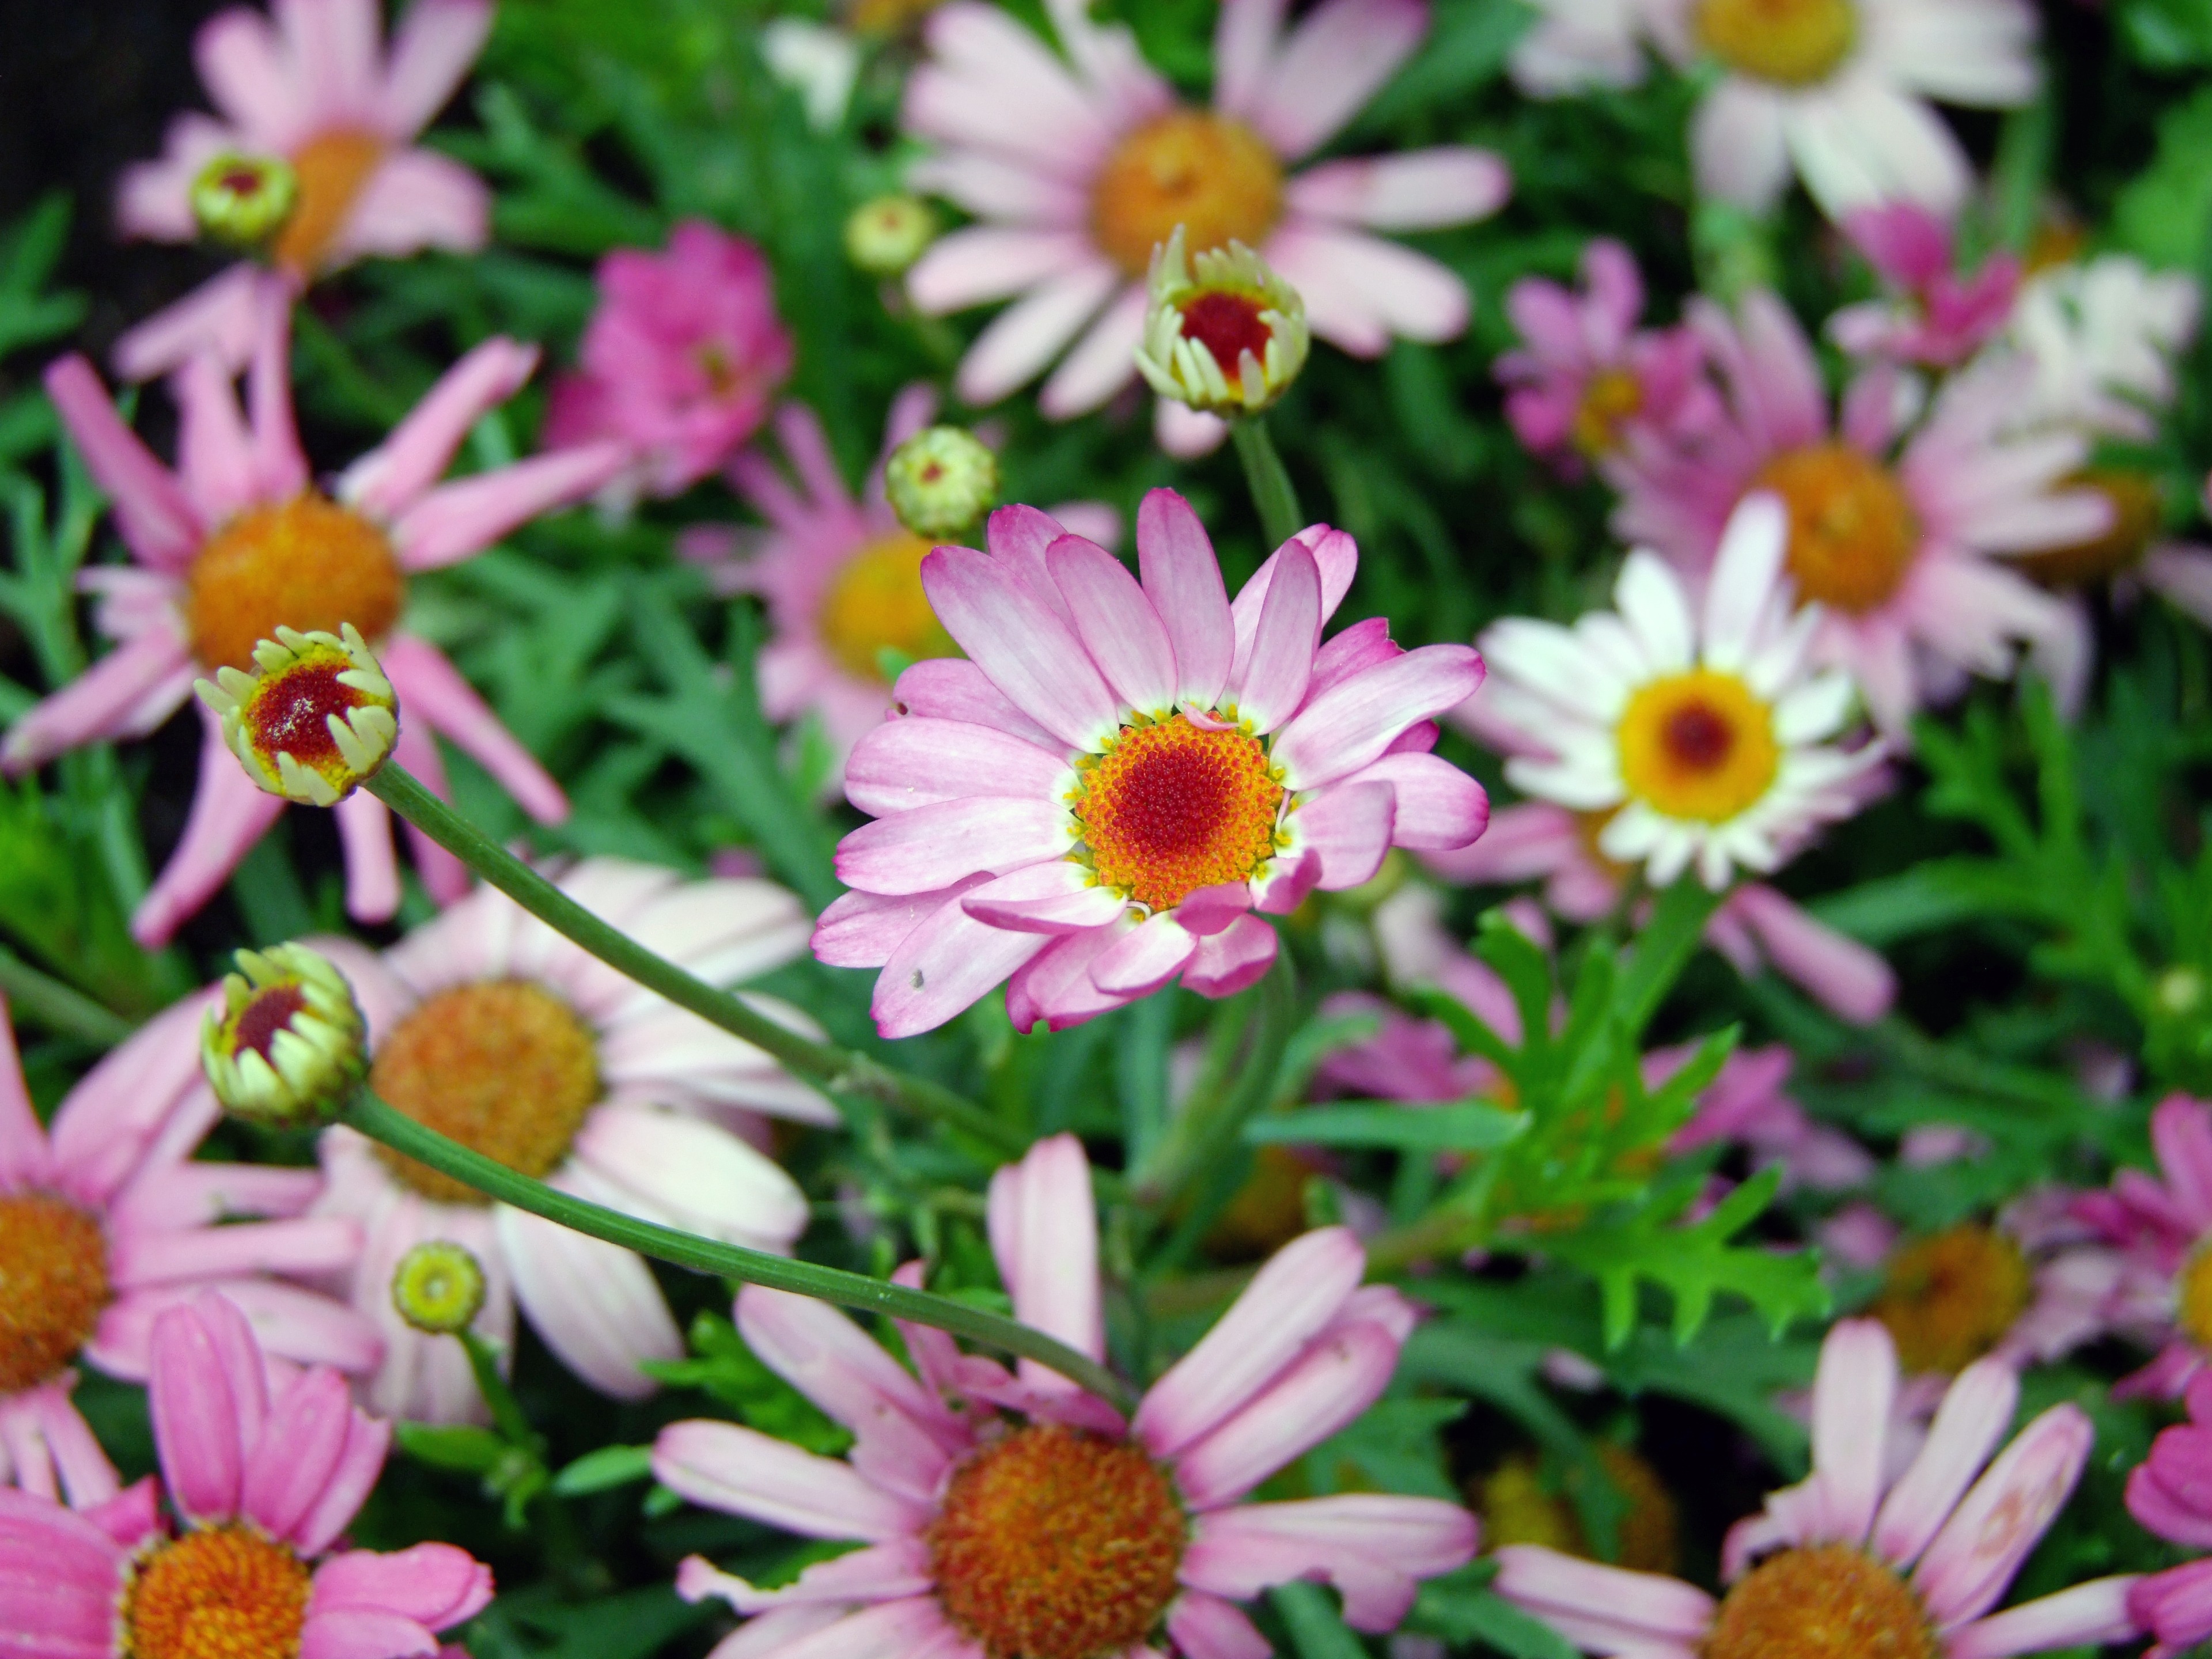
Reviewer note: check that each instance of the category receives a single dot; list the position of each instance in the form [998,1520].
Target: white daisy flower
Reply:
[2103,336]
[1689,736]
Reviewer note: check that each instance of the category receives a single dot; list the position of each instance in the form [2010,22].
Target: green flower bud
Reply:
[315,722]
[885,236]
[941,481]
[1223,333]
[242,201]
[290,1046]
[438,1288]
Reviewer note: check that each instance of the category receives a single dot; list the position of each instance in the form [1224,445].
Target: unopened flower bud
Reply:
[1223,333]
[290,1046]
[941,481]
[885,236]
[241,201]
[316,721]
[437,1288]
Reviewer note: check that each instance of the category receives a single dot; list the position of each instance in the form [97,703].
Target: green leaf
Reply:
[1317,1628]
[608,1466]
[1663,949]
[727,1369]
[2165,213]
[451,1446]
[1463,1608]
[1462,1125]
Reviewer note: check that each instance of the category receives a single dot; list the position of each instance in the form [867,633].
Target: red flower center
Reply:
[1228,325]
[1827,1603]
[53,1285]
[220,1593]
[268,1012]
[1170,808]
[308,563]
[1057,1544]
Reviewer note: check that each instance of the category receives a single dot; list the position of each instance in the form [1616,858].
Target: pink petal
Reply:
[436,1585]
[954,689]
[458,520]
[1026,651]
[1360,290]
[1102,361]
[431,688]
[358,1634]
[1413,189]
[1328,1386]
[981,263]
[1117,624]
[246,72]
[1349,726]
[25,1157]
[1348,828]
[1847,978]
[920,761]
[1027,335]
[1055,988]
[1609,1609]
[432,50]
[1228,962]
[99,703]
[347,1488]
[218,317]
[399,472]
[151,509]
[1145,958]
[1371,1546]
[1851,1396]
[912,1629]
[1335,60]
[1245,38]
[289,1471]
[947,962]
[743,1472]
[1982,1546]
[1205,911]
[595,1304]
[208,1400]
[1270,681]
[416,199]
[1205,1626]
[1044,1235]
[1438,807]
[1976,1412]
[2181,1135]
[1183,578]
[1058,897]
[372,862]
[934,846]
[861,930]
[2087,1616]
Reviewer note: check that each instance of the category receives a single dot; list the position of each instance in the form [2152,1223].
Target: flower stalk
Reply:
[386,1124]
[834,1070]
[1269,481]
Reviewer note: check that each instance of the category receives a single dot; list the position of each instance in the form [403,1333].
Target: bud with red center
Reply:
[1224,333]
[316,722]
[289,1045]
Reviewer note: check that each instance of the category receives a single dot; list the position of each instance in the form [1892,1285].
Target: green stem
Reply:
[830,1068]
[59,1007]
[384,1123]
[506,1411]
[1206,1131]
[1270,482]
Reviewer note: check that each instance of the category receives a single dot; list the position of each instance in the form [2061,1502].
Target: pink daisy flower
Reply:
[106,1220]
[2168,1493]
[1588,376]
[1013,1513]
[1908,1564]
[488,1025]
[1120,772]
[264,1465]
[319,91]
[1747,1104]
[2163,1222]
[679,361]
[237,539]
[1903,548]
[1934,316]
[840,577]
[1079,164]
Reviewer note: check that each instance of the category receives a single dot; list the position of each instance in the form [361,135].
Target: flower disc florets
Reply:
[316,722]
[1229,339]
[290,1044]
[437,1288]
[884,236]
[241,201]
[940,480]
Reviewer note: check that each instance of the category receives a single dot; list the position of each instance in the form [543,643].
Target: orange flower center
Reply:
[332,167]
[1698,745]
[2137,516]
[1214,177]
[1830,1602]
[309,564]
[1950,1299]
[220,1593]
[1057,1544]
[505,1068]
[877,604]
[1612,399]
[2192,1294]
[53,1285]
[1852,533]
[1170,808]
[1517,1507]
[1793,43]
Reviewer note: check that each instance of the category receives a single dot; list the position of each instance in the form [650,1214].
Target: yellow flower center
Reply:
[2192,1296]
[1612,399]
[309,564]
[53,1285]
[1170,808]
[1214,177]
[1830,1602]
[332,167]
[2137,516]
[888,16]
[504,1068]
[1950,1299]
[877,603]
[1057,1544]
[1517,1508]
[220,1593]
[1793,43]
[1698,745]
[1852,533]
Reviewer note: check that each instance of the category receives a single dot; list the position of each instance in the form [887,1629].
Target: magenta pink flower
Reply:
[1747,1104]
[2164,1223]
[1589,377]
[1934,316]
[966,1482]
[1904,551]
[841,578]
[1120,772]
[2170,1493]
[1920,1559]
[319,91]
[1079,164]
[264,1465]
[106,1221]
[680,360]
[238,539]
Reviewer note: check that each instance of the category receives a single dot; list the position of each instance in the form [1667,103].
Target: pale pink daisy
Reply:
[1839,90]
[1578,46]
[1588,376]
[680,360]
[1014,1513]
[2164,1225]
[238,539]
[265,1466]
[1080,164]
[321,91]
[1899,533]
[2170,1493]
[105,1220]
[1120,773]
[1905,1564]
[840,576]
[1933,315]
[488,1026]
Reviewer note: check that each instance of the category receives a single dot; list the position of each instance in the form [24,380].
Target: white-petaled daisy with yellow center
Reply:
[1702,734]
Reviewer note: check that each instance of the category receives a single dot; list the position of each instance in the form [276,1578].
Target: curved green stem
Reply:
[1269,479]
[829,1067]
[57,1006]
[381,1122]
